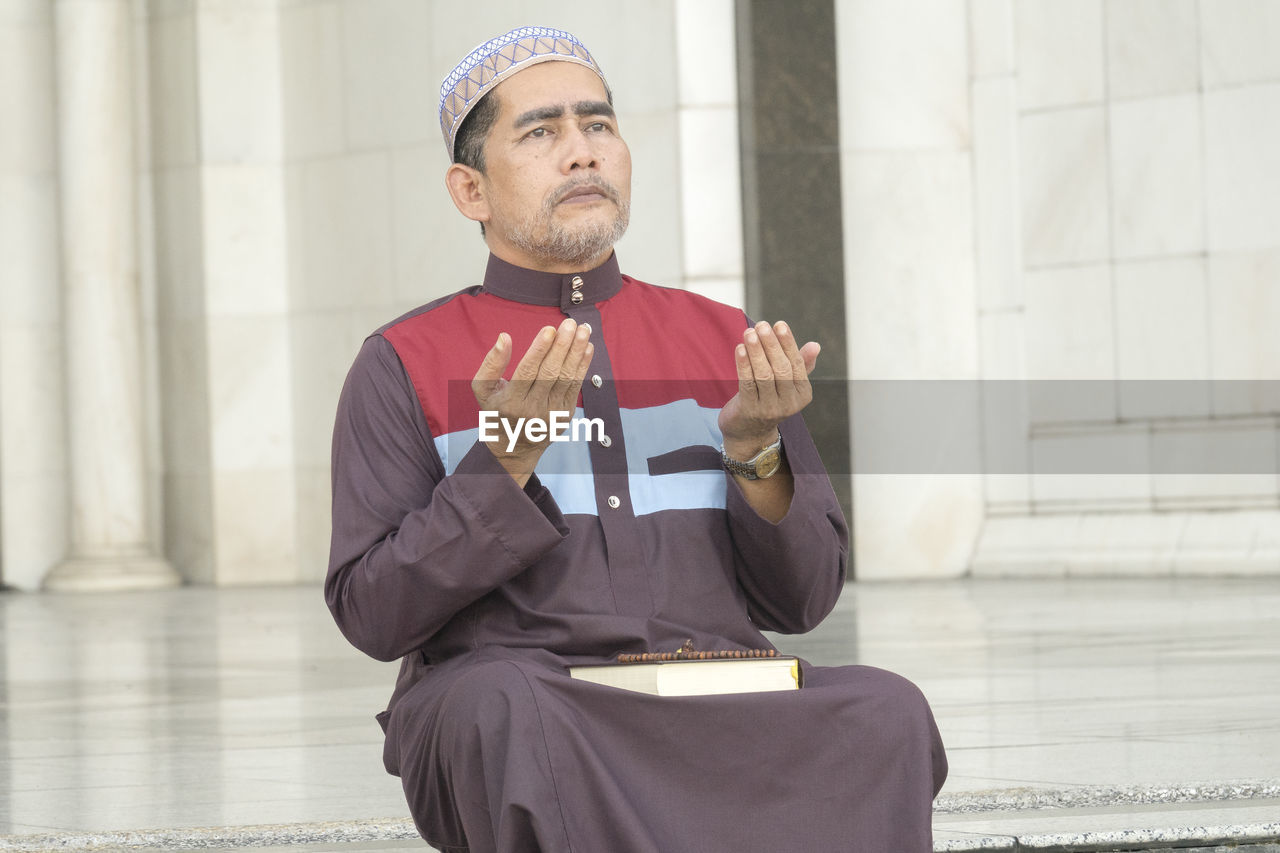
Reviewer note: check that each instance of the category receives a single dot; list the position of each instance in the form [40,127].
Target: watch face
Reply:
[767,463]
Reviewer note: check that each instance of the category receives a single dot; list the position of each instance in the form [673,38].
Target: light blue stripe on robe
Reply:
[565,468]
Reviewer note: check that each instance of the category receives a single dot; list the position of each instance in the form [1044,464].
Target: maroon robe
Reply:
[489,591]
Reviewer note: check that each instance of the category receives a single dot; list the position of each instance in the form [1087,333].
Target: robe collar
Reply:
[548,288]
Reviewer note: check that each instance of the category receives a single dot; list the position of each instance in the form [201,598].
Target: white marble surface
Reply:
[1062,157]
[997,212]
[175,125]
[1070,333]
[241,716]
[1157,176]
[991,40]
[239,82]
[1153,47]
[244,238]
[1172,344]
[1237,43]
[1060,52]
[311,72]
[711,193]
[1226,459]
[915,526]
[706,53]
[903,75]
[909,265]
[386,69]
[1242,167]
[1242,298]
[1143,247]
[1171,542]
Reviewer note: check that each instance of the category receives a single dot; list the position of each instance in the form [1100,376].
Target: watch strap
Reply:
[748,468]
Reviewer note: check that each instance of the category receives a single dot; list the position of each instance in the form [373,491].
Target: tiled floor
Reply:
[220,717]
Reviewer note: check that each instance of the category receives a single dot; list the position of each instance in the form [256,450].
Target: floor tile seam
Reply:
[1029,798]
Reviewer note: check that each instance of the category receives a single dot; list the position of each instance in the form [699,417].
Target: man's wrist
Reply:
[761,465]
[520,464]
[742,449]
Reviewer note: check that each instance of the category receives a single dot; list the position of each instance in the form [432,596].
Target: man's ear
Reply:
[466,188]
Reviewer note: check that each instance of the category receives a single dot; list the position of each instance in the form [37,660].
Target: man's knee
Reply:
[868,682]
[905,715]
[485,699]
[890,704]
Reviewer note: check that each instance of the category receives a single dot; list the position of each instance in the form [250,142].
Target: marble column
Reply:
[111,544]
[910,293]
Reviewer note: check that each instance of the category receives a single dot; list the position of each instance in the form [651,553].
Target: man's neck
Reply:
[519,258]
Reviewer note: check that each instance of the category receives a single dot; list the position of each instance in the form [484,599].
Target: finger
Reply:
[789,348]
[549,370]
[577,348]
[809,354]
[573,369]
[530,363]
[746,377]
[760,367]
[488,377]
[779,363]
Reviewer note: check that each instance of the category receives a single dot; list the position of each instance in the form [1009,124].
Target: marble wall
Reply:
[1074,207]
[1127,219]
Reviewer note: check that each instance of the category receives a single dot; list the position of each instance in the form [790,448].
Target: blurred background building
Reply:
[205,206]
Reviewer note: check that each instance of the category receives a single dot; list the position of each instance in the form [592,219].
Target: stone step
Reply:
[1239,825]
[963,824]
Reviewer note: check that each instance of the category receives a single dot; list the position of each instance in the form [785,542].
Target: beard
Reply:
[541,234]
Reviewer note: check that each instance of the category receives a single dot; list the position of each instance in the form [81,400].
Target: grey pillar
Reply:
[791,198]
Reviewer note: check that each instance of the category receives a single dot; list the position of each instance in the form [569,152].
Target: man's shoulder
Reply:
[437,310]
[688,300]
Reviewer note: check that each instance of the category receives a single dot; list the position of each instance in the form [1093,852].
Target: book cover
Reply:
[671,675]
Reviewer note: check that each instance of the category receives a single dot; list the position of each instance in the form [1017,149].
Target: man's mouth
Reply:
[585,194]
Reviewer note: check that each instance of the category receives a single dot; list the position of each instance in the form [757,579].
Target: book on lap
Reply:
[684,677]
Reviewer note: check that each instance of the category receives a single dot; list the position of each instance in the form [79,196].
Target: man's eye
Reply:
[597,125]
[538,132]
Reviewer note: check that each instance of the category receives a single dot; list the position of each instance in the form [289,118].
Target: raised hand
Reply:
[547,379]
[773,384]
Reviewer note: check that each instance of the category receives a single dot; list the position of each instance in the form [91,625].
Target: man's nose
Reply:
[580,153]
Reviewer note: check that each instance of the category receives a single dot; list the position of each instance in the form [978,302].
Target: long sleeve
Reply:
[792,572]
[412,547]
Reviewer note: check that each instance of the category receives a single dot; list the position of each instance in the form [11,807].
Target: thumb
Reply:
[489,377]
[809,352]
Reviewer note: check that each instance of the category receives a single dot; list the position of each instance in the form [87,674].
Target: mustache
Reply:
[595,182]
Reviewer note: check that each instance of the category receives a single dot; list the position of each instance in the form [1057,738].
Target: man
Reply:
[492,560]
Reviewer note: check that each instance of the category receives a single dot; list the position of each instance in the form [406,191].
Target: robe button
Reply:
[614,501]
[605,441]
[576,298]
[596,380]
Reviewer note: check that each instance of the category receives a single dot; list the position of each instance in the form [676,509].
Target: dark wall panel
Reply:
[791,197]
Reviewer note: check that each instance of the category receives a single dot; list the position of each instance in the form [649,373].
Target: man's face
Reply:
[558,174]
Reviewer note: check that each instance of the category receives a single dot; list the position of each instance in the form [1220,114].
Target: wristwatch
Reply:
[762,466]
